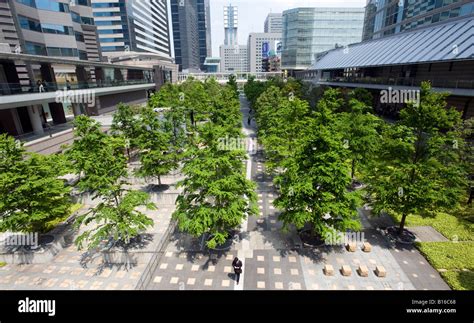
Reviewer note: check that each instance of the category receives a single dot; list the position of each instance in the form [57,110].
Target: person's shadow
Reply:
[232,276]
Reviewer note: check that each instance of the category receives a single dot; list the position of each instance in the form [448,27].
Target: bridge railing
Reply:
[224,77]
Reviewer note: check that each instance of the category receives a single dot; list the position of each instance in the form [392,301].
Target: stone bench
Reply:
[346,270]
[366,247]
[380,271]
[328,270]
[363,271]
[351,246]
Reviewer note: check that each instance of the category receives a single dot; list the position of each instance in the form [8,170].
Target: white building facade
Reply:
[234,59]
[262,45]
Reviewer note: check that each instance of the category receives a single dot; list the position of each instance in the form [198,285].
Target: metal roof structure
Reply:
[444,42]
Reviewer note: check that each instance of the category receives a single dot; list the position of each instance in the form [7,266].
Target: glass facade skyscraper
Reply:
[387,17]
[308,31]
[204,28]
[191,33]
[50,28]
[133,25]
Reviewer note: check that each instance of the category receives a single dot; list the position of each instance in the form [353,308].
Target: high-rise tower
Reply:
[230,25]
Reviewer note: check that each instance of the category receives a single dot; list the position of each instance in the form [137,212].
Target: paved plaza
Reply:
[73,269]
[273,259]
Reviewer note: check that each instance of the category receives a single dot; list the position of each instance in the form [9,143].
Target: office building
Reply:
[212,65]
[49,28]
[441,54]
[204,28]
[51,47]
[184,18]
[52,28]
[132,25]
[231,22]
[234,59]
[387,17]
[325,28]
[262,46]
[191,33]
[274,23]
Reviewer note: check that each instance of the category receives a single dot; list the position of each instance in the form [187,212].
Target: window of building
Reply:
[52,5]
[29,24]
[67,52]
[35,49]
[79,36]
[76,17]
[83,55]
[30,3]
[56,29]
[87,20]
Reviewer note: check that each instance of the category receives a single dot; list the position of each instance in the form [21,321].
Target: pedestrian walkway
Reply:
[72,269]
[275,260]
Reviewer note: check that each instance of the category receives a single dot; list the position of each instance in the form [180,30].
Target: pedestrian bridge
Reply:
[224,77]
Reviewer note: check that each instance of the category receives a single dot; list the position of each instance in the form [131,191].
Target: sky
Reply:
[252,14]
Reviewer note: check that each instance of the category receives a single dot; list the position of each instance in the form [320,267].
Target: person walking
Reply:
[40,86]
[237,264]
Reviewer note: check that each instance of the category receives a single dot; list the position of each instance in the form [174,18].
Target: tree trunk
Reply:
[159,180]
[353,166]
[402,224]
[471,196]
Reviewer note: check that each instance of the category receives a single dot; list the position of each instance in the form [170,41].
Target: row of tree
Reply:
[216,195]
[418,165]
[180,128]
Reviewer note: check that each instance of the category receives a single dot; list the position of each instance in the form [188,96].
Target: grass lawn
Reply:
[462,280]
[452,227]
[50,225]
[451,255]
[455,258]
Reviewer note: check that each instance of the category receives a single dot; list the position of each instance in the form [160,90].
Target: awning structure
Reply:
[445,42]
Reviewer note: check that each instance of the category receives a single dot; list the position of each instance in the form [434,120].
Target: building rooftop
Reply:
[444,42]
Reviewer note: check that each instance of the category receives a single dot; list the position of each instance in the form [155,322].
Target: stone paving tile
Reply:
[413,263]
[269,264]
[196,273]
[273,274]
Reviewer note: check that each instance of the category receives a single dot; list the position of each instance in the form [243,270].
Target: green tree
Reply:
[232,82]
[116,218]
[285,122]
[87,144]
[361,136]
[101,161]
[193,97]
[253,89]
[157,158]
[418,168]
[216,195]
[126,124]
[362,95]
[313,186]
[30,192]
[466,131]
[170,99]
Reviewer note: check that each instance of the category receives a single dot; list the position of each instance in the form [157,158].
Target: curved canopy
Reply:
[444,42]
